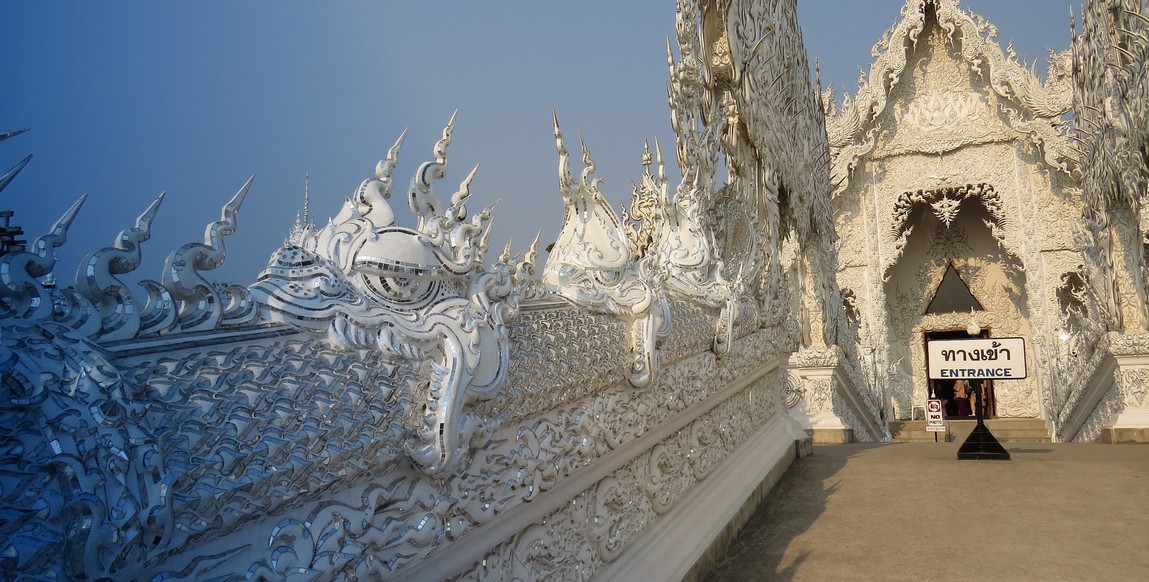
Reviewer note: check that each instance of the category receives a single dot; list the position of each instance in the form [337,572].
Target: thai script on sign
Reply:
[976,354]
[1000,358]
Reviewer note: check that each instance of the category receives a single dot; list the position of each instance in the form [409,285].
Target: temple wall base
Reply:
[831,436]
[1125,436]
[688,540]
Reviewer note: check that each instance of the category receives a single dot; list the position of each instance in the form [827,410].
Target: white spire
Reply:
[303,223]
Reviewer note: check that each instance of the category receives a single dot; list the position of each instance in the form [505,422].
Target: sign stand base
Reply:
[981,444]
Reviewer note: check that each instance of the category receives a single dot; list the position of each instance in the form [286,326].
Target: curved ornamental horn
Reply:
[422,199]
[20,272]
[97,282]
[199,302]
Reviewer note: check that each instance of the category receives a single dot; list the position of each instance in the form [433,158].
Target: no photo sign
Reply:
[935,420]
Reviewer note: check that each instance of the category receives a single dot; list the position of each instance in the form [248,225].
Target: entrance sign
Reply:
[935,420]
[991,358]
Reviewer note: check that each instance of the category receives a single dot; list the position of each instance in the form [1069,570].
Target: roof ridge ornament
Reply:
[200,306]
[97,280]
[422,198]
[20,272]
[592,264]
[421,297]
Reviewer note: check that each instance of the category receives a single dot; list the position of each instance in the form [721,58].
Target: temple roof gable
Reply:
[1029,105]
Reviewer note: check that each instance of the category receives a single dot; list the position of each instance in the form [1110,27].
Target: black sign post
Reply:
[981,444]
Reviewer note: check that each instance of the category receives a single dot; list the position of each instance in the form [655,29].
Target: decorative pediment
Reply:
[1025,104]
[945,203]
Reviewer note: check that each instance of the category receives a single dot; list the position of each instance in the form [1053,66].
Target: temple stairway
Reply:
[1006,430]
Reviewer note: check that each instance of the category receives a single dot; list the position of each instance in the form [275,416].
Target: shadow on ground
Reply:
[789,509]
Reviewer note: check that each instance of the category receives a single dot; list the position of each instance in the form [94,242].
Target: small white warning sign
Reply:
[935,419]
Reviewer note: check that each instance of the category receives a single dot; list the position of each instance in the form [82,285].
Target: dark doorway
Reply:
[944,390]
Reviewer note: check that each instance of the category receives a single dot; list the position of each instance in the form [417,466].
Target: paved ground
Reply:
[912,511]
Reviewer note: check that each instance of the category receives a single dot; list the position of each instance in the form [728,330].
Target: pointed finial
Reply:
[658,160]
[11,133]
[533,251]
[302,219]
[306,198]
[144,221]
[566,180]
[421,196]
[526,268]
[65,221]
[588,163]
[505,257]
[227,224]
[464,191]
[11,174]
[441,145]
[558,133]
[384,168]
[58,234]
[485,239]
[818,73]
[232,207]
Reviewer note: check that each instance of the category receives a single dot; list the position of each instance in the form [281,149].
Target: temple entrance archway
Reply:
[952,268]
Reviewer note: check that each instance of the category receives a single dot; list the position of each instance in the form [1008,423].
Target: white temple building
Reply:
[385,401]
[962,183]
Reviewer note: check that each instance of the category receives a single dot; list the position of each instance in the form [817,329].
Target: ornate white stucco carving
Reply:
[1111,116]
[101,307]
[778,173]
[350,437]
[420,294]
[950,143]
[141,450]
[97,281]
[684,241]
[383,404]
[945,204]
[945,114]
[826,389]
[201,305]
[667,246]
[592,265]
[581,537]
[1111,131]
[778,189]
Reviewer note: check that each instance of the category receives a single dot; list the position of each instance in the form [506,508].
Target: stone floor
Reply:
[911,511]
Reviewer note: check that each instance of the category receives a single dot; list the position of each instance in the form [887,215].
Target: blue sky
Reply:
[129,99]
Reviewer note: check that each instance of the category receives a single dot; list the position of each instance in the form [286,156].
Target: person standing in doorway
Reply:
[961,397]
[973,398]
